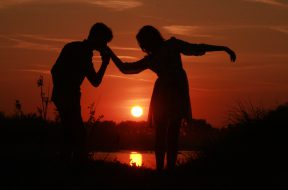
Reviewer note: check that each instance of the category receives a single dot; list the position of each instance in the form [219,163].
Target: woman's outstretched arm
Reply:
[200,49]
[128,68]
[230,52]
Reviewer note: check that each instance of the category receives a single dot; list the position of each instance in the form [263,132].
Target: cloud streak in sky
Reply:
[270,2]
[186,30]
[282,29]
[18,42]
[126,48]
[6,3]
[118,5]
[35,46]
[199,31]
[43,38]
[129,78]
[36,71]
[127,57]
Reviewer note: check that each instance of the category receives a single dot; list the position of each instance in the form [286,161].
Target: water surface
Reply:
[140,158]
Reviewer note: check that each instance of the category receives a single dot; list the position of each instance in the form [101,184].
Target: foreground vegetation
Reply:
[249,153]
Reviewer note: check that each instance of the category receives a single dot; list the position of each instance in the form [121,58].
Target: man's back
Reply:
[70,69]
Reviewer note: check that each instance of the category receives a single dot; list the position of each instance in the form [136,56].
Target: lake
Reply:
[140,158]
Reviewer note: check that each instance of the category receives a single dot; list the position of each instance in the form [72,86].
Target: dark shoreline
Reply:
[49,174]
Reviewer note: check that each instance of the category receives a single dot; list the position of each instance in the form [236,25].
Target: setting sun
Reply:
[136,111]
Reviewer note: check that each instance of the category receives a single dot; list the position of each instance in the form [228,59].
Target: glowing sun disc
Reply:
[136,111]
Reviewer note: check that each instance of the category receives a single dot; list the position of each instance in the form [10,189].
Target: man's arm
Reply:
[96,78]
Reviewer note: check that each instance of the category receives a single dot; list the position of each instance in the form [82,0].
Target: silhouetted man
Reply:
[72,66]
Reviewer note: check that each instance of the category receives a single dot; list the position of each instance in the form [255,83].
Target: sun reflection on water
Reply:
[135,159]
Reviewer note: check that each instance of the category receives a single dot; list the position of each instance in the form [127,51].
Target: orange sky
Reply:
[33,32]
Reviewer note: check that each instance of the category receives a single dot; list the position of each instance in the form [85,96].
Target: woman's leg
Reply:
[172,144]
[160,145]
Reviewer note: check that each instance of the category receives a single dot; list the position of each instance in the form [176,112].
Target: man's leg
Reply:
[65,139]
[78,134]
[73,133]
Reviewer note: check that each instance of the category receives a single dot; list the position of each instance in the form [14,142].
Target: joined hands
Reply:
[105,55]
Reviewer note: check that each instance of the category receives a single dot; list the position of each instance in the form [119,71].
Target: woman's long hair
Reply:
[149,39]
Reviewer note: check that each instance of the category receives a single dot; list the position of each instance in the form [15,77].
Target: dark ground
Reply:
[251,154]
[54,174]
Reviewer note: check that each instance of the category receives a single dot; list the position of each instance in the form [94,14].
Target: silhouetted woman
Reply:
[170,102]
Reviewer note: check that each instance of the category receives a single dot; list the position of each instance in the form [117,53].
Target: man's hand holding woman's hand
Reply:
[105,55]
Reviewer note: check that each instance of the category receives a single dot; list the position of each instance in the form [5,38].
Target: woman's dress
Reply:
[170,101]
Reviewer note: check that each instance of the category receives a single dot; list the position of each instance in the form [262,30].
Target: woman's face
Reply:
[146,46]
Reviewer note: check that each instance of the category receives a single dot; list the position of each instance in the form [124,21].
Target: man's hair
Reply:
[102,30]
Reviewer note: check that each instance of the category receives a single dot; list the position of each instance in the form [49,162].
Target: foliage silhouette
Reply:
[45,98]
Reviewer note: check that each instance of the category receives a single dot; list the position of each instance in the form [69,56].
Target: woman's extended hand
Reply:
[231,54]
